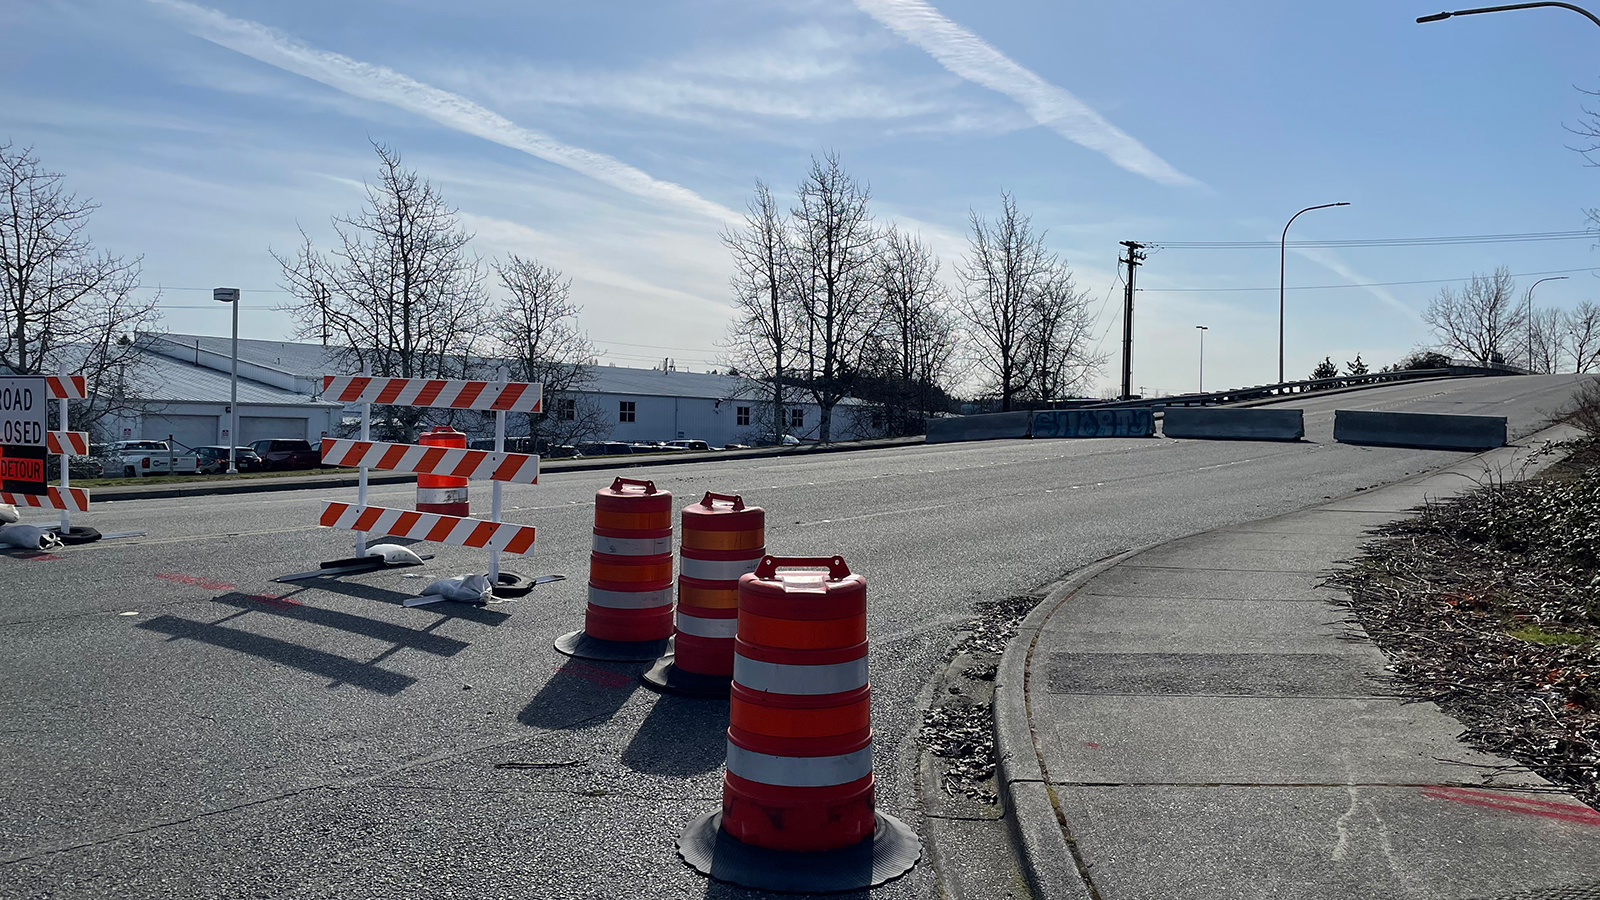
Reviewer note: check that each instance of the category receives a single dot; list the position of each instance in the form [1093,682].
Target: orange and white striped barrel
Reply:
[800,724]
[443,494]
[629,615]
[722,540]
[799,777]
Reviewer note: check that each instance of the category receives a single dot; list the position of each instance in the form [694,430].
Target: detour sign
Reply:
[22,470]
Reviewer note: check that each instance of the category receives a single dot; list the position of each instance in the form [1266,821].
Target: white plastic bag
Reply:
[395,555]
[8,514]
[462,588]
[32,537]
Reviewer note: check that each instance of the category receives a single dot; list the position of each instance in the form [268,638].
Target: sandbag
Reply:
[8,514]
[462,588]
[395,555]
[32,537]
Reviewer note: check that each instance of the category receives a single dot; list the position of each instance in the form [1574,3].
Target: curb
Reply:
[1050,865]
[1048,858]
[264,485]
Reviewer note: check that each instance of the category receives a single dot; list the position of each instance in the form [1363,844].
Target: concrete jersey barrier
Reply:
[987,427]
[1427,431]
[1234,424]
[1085,423]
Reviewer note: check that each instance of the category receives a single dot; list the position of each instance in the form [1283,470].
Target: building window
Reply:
[567,409]
[797,418]
[625,411]
[742,414]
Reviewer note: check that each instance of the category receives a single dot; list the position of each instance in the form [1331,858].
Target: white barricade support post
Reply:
[499,447]
[66,462]
[361,475]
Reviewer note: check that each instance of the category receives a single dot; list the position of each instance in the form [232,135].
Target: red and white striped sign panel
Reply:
[440,529]
[517,468]
[67,387]
[515,396]
[75,442]
[75,498]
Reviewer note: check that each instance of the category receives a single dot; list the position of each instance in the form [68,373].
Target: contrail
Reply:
[1333,262]
[976,60]
[373,82]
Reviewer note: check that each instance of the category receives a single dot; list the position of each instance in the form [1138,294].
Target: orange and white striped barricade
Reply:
[629,616]
[62,388]
[721,541]
[438,493]
[797,799]
[64,499]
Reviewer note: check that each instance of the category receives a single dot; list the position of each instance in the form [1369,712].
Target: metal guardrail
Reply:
[1291,388]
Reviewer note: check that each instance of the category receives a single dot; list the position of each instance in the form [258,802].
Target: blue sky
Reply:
[612,140]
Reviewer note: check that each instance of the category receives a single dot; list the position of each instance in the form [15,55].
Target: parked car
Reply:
[214,460]
[562,451]
[140,458]
[604,448]
[736,446]
[85,467]
[689,445]
[287,453]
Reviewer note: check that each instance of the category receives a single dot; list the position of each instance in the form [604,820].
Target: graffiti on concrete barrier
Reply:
[1079,423]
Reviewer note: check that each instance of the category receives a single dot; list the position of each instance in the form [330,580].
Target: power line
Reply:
[1521,238]
[1329,287]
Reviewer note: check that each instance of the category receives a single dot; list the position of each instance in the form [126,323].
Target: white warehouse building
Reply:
[186,378]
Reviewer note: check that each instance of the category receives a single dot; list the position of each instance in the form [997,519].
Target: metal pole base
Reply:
[666,677]
[891,852]
[585,647]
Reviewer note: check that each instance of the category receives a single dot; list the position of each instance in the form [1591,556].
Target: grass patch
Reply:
[1533,634]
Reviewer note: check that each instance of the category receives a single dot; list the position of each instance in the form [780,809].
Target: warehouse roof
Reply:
[168,380]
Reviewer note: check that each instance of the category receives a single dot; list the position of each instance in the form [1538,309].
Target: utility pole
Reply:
[1132,261]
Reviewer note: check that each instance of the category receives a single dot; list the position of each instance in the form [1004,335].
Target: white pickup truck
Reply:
[140,458]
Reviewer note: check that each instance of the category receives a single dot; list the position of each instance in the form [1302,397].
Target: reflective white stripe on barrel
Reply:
[632,546]
[799,771]
[715,569]
[706,628]
[442,495]
[630,599]
[778,678]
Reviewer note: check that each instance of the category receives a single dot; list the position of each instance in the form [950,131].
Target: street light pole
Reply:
[1530,313]
[231,295]
[1203,330]
[1440,17]
[1283,243]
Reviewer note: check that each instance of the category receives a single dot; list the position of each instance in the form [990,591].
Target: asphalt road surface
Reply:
[175,724]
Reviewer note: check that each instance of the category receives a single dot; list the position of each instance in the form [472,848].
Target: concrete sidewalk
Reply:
[1194,720]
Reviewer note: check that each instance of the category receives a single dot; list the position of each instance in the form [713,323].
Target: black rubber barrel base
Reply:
[510,584]
[585,647]
[891,852]
[665,676]
[80,534]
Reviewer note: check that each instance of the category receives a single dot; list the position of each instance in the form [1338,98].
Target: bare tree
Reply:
[835,253]
[916,344]
[766,316]
[61,301]
[1030,323]
[1481,321]
[537,329]
[1544,341]
[1581,325]
[399,292]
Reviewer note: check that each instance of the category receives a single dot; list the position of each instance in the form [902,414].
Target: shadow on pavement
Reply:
[316,662]
[681,736]
[481,615]
[399,635]
[581,694]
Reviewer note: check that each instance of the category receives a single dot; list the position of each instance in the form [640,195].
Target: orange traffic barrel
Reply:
[446,494]
[798,810]
[722,541]
[629,616]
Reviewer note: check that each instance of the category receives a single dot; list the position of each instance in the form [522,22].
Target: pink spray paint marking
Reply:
[1567,812]
[597,675]
[273,601]
[196,581]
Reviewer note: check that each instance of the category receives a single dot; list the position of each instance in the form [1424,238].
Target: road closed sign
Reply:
[23,428]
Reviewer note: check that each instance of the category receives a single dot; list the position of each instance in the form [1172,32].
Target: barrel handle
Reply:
[649,486]
[711,497]
[837,570]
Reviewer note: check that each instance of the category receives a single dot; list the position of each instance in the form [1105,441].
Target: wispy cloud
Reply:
[382,84]
[1334,263]
[976,60]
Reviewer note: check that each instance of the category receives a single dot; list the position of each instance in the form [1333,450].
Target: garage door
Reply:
[187,431]
[260,428]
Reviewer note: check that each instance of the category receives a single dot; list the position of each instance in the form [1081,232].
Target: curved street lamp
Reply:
[1440,17]
[1203,330]
[1283,243]
[1530,313]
